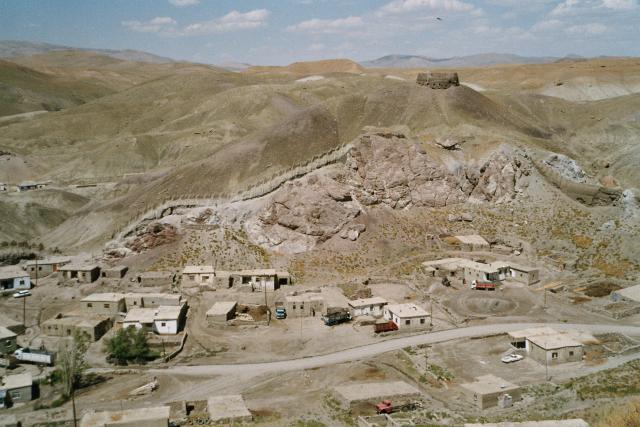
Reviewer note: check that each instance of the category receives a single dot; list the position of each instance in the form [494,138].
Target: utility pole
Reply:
[73,404]
[546,366]
[431,310]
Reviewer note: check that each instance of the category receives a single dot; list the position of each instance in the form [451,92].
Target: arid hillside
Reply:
[153,132]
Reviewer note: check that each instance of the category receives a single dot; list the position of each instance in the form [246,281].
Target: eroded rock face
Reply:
[305,213]
[399,173]
[154,235]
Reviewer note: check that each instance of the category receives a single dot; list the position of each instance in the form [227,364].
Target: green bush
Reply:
[129,345]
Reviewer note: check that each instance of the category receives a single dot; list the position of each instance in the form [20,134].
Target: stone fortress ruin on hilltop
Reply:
[438,80]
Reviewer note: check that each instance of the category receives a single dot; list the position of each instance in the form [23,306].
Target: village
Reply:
[204,316]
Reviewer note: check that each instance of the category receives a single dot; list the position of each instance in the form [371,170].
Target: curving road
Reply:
[375,349]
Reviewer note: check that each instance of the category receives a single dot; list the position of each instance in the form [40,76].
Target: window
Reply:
[106,306]
[301,306]
[407,322]
[554,355]
[205,278]
[21,282]
[422,321]
[571,353]
[294,305]
[163,324]
[192,277]
[15,394]
[89,304]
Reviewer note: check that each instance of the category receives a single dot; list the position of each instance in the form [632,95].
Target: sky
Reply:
[283,31]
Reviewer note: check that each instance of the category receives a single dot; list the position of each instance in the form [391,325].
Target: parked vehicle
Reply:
[336,318]
[385,327]
[281,313]
[513,357]
[387,407]
[40,357]
[22,294]
[483,286]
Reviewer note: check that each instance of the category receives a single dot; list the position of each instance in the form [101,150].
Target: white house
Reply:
[367,307]
[201,274]
[406,316]
[164,320]
[13,279]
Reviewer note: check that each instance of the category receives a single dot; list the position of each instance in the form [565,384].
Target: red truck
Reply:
[387,407]
[385,327]
[483,286]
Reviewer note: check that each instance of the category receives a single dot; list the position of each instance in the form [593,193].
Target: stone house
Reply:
[486,390]
[65,326]
[156,278]
[83,273]
[259,279]
[526,275]
[151,300]
[406,316]
[221,312]
[17,388]
[106,304]
[308,304]
[200,274]
[164,320]
[367,307]
[116,272]
[13,279]
[46,266]
[554,349]
[139,417]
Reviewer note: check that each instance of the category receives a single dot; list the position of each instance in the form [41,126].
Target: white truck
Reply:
[40,357]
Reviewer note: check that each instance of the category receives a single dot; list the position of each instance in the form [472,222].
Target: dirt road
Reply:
[371,350]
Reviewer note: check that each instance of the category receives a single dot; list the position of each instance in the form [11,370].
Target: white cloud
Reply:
[619,4]
[405,6]
[591,29]
[546,25]
[565,8]
[159,24]
[327,26]
[232,21]
[184,3]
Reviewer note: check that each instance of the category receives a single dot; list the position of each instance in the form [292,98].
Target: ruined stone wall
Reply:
[436,80]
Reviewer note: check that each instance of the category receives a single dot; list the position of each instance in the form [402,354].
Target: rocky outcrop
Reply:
[154,235]
[304,213]
[391,170]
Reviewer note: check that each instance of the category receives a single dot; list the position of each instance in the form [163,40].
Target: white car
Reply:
[22,294]
[510,358]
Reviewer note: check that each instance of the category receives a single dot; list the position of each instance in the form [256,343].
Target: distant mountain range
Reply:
[480,60]
[12,48]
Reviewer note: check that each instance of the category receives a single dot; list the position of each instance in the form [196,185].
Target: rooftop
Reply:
[221,307]
[472,239]
[8,322]
[488,384]
[5,333]
[365,302]
[198,269]
[257,272]
[116,268]
[149,315]
[632,293]
[78,267]
[156,274]
[227,408]
[176,297]
[12,272]
[105,297]
[129,416]
[76,320]
[306,296]
[531,332]
[522,268]
[552,342]
[366,391]
[49,261]
[407,310]
[11,382]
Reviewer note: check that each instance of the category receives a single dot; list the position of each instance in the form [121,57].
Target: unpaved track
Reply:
[370,350]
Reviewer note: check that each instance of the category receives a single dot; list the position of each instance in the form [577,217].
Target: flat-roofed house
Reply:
[472,242]
[8,341]
[259,279]
[115,272]
[481,272]
[518,338]
[486,390]
[18,388]
[200,274]
[308,304]
[13,279]
[230,410]
[139,417]
[84,273]
[94,326]
[46,266]
[107,304]
[406,316]
[156,278]
[554,349]
[15,326]
[367,306]
[164,320]
[523,274]
[151,300]
[221,312]
[3,186]
[31,185]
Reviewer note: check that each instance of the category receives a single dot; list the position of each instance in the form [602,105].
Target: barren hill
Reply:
[313,67]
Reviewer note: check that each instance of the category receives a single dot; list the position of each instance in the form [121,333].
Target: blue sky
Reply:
[283,31]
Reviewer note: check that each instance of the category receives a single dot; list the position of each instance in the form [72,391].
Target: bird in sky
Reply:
[438,18]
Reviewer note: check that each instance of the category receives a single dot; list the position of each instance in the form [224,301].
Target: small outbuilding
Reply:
[367,306]
[554,349]
[472,242]
[406,316]
[229,409]
[398,391]
[84,273]
[523,274]
[221,312]
[8,341]
[258,279]
[13,279]
[152,300]
[107,304]
[11,324]
[139,417]
[156,278]
[486,391]
[116,272]
[18,388]
[45,267]
[577,422]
